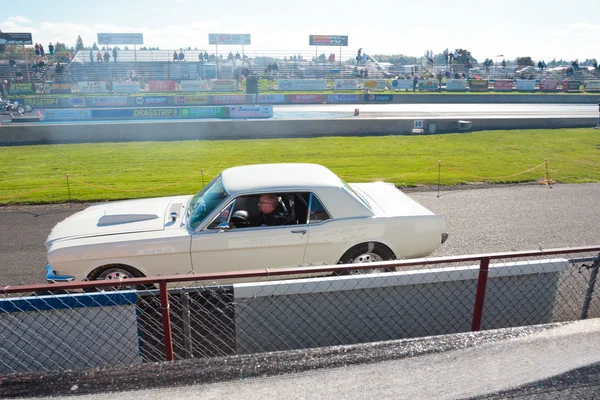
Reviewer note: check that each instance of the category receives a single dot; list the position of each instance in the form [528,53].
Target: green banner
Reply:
[202,112]
[21,88]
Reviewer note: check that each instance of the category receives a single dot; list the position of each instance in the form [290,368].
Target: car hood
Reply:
[118,217]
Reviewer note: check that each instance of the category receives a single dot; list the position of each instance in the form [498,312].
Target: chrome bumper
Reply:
[52,277]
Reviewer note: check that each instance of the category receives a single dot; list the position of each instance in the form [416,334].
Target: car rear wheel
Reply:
[367,253]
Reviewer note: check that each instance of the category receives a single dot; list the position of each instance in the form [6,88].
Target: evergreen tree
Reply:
[79,46]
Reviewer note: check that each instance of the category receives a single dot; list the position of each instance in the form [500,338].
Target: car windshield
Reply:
[205,201]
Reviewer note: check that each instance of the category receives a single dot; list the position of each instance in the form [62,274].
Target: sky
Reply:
[542,29]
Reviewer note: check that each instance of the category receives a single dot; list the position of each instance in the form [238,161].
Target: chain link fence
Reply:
[100,324]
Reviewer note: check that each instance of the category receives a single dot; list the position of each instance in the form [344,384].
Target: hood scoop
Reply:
[117,219]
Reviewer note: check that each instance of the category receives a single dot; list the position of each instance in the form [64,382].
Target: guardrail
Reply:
[104,323]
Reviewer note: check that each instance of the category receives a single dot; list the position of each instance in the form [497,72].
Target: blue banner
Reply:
[342,98]
[67,115]
[112,113]
[378,98]
[151,100]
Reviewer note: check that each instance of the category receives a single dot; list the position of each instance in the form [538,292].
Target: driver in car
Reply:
[269,214]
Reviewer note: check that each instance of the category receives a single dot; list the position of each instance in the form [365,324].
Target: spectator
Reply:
[37,49]
[450,57]
[42,51]
[175,57]
[91,56]
[275,67]
[68,57]
[99,56]
[51,49]
[114,54]
[181,55]
[237,55]
[200,57]
[230,56]
[503,64]
[106,56]
[3,88]
[415,83]
[206,56]
[12,63]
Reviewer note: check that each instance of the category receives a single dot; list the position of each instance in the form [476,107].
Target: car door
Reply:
[247,248]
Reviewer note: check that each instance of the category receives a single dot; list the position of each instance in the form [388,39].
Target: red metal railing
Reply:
[162,281]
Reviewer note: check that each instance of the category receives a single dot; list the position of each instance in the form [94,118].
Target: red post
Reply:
[480,295]
[166,320]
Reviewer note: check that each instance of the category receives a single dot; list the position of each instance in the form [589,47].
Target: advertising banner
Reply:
[106,101]
[402,84]
[126,87]
[91,87]
[503,85]
[428,85]
[378,98]
[15,38]
[306,98]
[229,99]
[342,98]
[592,86]
[346,84]
[479,85]
[549,85]
[327,40]
[202,112]
[251,112]
[571,86]
[194,86]
[162,86]
[151,100]
[77,101]
[375,84]
[191,100]
[456,85]
[21,88]
[67,115]
[302,84]
[41,102]
[270,98]
[120,38]
[154,112]
[526,85]
[223,85]
[113,113]
[229,38]
[57,88]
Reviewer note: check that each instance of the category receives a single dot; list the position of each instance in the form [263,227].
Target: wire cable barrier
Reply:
[439,164]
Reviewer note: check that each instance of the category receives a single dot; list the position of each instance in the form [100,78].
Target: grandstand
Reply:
[160,65]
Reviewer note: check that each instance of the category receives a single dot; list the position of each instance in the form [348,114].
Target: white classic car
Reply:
[318,219]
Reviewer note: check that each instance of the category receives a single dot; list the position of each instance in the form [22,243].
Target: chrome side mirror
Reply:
[223,227]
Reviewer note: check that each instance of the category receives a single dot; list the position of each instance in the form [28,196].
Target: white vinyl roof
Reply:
[268,178]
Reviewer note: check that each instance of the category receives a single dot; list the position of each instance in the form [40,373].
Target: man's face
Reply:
[266,204]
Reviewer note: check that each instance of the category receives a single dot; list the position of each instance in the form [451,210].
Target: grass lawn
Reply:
[36,174]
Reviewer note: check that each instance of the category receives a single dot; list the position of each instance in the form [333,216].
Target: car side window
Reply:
[223,216]
[318,213]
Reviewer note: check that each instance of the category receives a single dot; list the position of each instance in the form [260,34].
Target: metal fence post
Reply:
[590,290]
[480,294]
[166,320]
[187,331]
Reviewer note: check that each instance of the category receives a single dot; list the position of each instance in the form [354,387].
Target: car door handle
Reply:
[302,231]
